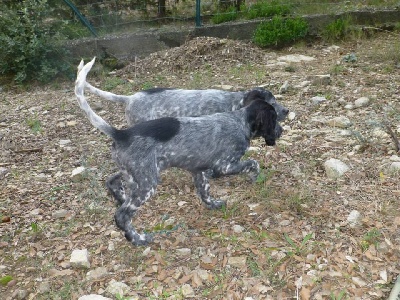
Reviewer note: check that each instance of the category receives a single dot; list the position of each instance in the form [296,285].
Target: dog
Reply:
[197,144]
[168,102]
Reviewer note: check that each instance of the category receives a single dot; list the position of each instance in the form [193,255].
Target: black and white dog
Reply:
[212,143]
[165,102]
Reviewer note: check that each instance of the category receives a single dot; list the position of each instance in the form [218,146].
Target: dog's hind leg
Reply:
[203,191]
[139,189]
[116,188]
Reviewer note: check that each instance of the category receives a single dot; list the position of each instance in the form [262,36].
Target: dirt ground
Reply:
[287,236]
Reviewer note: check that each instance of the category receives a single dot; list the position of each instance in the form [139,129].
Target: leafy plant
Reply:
[31,48]
[337,30]
[370,238]
[298,249]
[263,9]
[280,32]
[35,125]
[230,14]
[5,279]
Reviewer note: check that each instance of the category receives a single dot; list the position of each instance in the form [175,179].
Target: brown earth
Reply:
[296,241]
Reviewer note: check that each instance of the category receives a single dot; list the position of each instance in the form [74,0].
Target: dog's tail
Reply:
[103,94]
[96,120]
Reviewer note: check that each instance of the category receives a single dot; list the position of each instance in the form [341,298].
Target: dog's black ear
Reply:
[266,121]
[252,96]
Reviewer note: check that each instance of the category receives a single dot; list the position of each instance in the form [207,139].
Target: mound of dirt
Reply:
[199,52]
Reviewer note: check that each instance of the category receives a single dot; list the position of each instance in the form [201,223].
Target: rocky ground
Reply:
[321,222]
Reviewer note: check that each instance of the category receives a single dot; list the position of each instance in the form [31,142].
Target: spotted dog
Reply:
[167,102]
[197,144]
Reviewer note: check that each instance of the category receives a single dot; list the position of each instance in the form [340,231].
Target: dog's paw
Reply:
[216,204]
[139,239]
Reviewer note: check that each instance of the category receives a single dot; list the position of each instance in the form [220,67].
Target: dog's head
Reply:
[263,120]
[262,94]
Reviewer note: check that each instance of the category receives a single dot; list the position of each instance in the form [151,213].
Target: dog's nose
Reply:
[285,111]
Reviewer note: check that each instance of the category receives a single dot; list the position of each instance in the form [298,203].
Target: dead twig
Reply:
[29,150]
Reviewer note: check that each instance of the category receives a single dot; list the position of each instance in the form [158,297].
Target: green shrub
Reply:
[337,30]
[265,9]
[31,47]
[280,32]
[230,14]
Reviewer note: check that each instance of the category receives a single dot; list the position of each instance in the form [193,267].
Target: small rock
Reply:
[224,87]
[349,106]
[318,100]
[284,223]
[114,234]
[284,88]
[80,259]
[71,123]
[340,122]
[379,133]
[319,79]
[354,218]
[266,223]
[237,261]
[238,229]
[184,251]
[93,297]
[78,174]
[11,283]
[335,168]
[146,251]
[20,294]
[58,214]
[291,116]
[44,287]
[63,143]
[203,274]
[187,291]
[3,172]
[169,221]
[111,246]
[41,177]
[394,167]
[395,158]
[295,58]
[361,102]
[97,273]
[35,212]
[116,287]
[358,281]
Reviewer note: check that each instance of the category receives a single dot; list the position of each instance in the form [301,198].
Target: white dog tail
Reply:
[103,94]
[96,120]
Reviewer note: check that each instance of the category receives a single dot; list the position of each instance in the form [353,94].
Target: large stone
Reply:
[80,258]
[78,173]
[295,58]
[187,291]
[394,167]
[335,168]
[361,102]
[354,218]
[97,273]
[116,287]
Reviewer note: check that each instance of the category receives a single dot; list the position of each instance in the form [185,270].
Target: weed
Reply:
[340,296]
[147,85]
[297,249]
[280,32]
[5,279]
[112,82]
[253,266]
[34,124]
[264,9]
[297,201]
[370,238]
[35,227]
[231,211]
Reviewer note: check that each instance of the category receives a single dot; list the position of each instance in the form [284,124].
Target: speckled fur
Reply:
[166,102]
[212,144]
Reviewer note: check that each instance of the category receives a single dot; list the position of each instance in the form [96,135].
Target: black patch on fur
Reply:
[156,90]
[257,94]
[262,119]
[161,130]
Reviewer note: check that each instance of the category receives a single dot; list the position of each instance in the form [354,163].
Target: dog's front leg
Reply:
[250,167]
[203,190]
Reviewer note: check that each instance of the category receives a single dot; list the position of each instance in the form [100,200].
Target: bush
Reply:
[31,47]
[265,9]
[230,14]
[337,30]
[280,32]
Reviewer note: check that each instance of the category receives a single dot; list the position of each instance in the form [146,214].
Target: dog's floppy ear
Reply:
[266,122]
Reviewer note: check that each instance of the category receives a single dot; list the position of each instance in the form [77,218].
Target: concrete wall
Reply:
[126,47]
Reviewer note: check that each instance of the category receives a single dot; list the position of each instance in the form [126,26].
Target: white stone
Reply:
[93,297]
[340,122]
[295,58]
[169,222]
[203,274]
[115,287]
[335,168]
[77,173]
[80,258]
[237,228]
[187,291]
[394,167]
[361,102]
[291,116]
[320,79]
[237,261]
[266,223]
[64,142]
[395,158]
[379,133]
[284,88]
[318,99]
[58,214]
[354,218]
[97,273]
[183,251]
